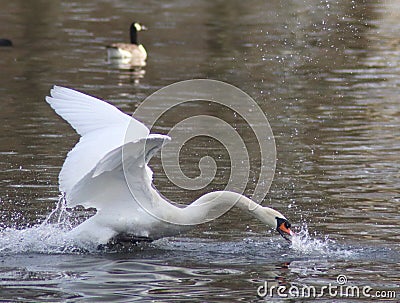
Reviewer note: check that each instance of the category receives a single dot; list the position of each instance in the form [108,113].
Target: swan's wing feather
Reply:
[90,149]
[136,153]
[86,113]
[102,126]
[120,177]
[154,142]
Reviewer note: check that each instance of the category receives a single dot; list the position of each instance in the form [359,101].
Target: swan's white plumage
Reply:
[122,170]
[86,113]
[107,170]
[101,125]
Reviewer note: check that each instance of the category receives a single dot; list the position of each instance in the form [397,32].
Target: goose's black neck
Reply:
[134,39]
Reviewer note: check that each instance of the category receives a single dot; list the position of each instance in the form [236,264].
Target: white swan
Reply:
[96,171]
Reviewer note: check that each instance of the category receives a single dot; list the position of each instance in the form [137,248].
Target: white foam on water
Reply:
[50,237]
[46,238]
[304,243]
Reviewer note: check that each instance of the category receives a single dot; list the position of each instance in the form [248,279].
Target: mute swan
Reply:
[134,51]
[96,170]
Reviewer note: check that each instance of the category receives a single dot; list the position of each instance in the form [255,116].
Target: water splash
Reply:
[44,238]
[60,215]
[50,237]
[304,243]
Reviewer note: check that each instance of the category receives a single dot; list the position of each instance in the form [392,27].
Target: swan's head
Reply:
[277,221]
[283,227]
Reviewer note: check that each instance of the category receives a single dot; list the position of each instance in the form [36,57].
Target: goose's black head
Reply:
[135,28]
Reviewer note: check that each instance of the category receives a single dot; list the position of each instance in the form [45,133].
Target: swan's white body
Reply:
[107,170]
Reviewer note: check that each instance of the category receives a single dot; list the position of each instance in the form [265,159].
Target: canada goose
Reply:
[131,51]
[5,42]
[107,170]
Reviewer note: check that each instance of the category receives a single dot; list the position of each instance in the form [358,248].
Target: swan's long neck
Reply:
[214,204]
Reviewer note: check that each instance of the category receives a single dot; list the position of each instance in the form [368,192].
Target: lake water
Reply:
[325,73]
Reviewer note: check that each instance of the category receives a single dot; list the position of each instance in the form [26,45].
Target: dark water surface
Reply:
[326,74]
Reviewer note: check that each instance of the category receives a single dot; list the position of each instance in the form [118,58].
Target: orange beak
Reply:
[285,229]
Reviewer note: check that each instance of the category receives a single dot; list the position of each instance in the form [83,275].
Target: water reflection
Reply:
[127,71]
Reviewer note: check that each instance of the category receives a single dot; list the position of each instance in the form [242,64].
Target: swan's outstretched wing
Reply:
[85,113]
[102,127]
[120,179]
